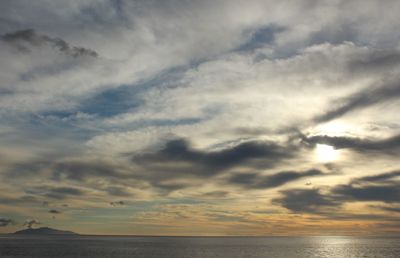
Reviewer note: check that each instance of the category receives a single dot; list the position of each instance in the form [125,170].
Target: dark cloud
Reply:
[390,209]
[383,193]
[216,194]
[389,145]
[384,177]
[80,170]
[163,169]
[117,191]
[257,181]
[167,186]
[210,163]
[29,223]
[304,200]
[359,100]
[117,203]
[5,222]
[382,188]
[23,200]
[54,192]
[63,192]
[377,60]
[54,211]
[24,40]
[26,169]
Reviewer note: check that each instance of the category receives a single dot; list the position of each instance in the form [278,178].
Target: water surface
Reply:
[197,247]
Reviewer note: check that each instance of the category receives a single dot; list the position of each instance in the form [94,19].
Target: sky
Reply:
[189,117]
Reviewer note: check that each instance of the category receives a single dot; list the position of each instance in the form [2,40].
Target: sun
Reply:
[325,153]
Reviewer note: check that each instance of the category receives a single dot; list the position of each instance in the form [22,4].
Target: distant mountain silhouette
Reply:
[44,231]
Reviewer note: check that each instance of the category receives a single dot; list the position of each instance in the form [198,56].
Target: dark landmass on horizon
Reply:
[44,231]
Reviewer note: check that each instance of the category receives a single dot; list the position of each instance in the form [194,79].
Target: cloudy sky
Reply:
[186,117]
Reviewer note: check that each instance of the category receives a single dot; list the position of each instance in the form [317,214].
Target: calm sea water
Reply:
[198,247]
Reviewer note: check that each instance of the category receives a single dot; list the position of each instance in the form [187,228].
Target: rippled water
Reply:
[204,247]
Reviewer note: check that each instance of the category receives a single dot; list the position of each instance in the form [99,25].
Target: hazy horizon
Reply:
[200,118]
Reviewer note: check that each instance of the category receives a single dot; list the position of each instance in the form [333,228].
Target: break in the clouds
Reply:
[200,117]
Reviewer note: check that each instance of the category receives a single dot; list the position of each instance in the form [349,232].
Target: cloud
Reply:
[211,162]
[305,200]
[365,98]
[388,145]
[216,194]
[79,170]
[25,40]
[380,188]
[162,170]
[31,223]
[63,192]
[54,192]
[258,181]
[384,187]
[20,200]
[383,193]
[384,177]
[385,208]
[117,191]
[5,222]
[117,203]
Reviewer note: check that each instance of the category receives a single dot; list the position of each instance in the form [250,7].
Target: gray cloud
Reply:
[385,208]
[383,193]
[388,145]
[257,181]
[383,188]
[376,61]
[117,191]
[54,192]
[362,99]
[5,222]
[216,194]
[117,203]
[384,177]
[304,200]
[24,40]
[214,161]
[80,170]
[21,200]
[162,169]
[63,192]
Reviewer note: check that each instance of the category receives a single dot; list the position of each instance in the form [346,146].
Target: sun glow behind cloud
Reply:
[334,128]
[326,153]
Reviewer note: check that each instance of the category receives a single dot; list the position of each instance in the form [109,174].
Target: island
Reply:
[44,231]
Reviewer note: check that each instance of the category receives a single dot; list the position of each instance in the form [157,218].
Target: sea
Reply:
[197,247]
